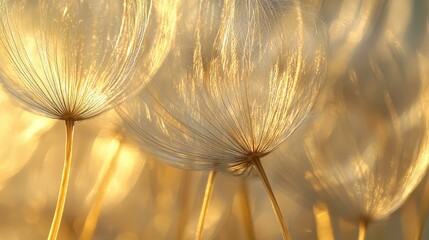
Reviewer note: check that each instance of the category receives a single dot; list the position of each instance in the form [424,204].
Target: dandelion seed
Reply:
[70,60]
[366,155]
[252,79]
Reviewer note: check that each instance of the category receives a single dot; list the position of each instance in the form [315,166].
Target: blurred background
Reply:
[360,154]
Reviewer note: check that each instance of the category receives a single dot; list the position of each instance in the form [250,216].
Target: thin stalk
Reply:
[323,222]
[94,212]
[245,209]
[362,229]
[260,170]
[55,226]
[206,201]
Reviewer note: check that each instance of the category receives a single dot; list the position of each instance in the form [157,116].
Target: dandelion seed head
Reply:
[70,59]
[367,152]
[249,83]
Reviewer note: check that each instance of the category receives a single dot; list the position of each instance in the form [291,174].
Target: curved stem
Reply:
[245,208]
[94,212]
[55,226]
[206,201]
[362,229]
[260,170]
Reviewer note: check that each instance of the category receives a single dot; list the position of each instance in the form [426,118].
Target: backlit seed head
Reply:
[70,59]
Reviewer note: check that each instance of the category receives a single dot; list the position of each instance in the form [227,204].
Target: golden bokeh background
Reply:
[368,130]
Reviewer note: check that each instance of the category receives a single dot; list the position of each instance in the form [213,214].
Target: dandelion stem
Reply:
[94,212]
[55,226]
[245,208]
[323,222]
[362,229]
[206,201]
[260,170]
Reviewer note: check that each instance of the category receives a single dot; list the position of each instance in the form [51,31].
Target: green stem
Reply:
[206,201]
[260,170]
[55,226]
